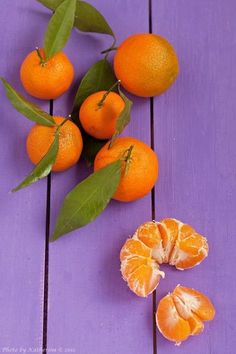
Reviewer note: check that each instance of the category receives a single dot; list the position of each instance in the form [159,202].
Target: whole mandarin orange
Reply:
[99,120]
[41,137]
[46,80]
[146,64]
[141,175]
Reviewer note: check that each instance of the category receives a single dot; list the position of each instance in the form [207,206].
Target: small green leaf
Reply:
[44,166]
[88,199]
[87,17]
[25,107]
[99,77]
[59,28]
[123,119]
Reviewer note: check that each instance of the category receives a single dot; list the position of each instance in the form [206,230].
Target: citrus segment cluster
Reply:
[168,241]
[182,313]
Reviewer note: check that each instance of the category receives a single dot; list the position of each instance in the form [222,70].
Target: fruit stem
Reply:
[64,121]
[42,61]
[109,50]
[127,158]
[100,103]
[112,47]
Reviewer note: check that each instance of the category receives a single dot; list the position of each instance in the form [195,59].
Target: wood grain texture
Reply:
[195,131]
[90,307]
[22,214]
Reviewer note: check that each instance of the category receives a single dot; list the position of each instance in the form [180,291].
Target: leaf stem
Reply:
[42,61]
[112,47]
[127,158]
[101,102]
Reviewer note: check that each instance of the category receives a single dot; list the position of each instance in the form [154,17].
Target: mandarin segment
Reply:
[150,235]
[134,248]
[138,268]
[172,326]
[183,305]
[169,229]
[144,280]
[197,302]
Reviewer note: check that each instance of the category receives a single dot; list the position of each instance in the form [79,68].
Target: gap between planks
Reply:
[46,254]
[153,206]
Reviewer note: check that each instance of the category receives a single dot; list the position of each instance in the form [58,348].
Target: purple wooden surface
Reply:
[90,307]
[195,131]
[22,214]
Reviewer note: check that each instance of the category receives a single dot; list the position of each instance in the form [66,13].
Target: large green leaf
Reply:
[44,167]
[88,199]
[123,119]
[25,107]
[59,28]
[87,17]
[99,77]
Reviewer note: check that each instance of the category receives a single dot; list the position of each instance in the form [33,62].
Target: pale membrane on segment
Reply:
[196,302]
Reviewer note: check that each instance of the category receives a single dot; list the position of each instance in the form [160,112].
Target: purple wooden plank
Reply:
[23,213]
[195,131]
[90,307]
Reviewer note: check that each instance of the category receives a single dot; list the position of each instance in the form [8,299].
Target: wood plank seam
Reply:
[46,256]
[153,206]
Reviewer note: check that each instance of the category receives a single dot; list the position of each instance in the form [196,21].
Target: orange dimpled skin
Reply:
[146,64]
[41,137]
[97,120]
[168,241]
[183,306]
[47,80]
[135,181]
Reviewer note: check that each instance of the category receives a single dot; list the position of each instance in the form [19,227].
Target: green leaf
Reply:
[99,77]
[51,4]
[25,107]
[44,166]
[59,28]
[123,119]
[88,199]
[87,17]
